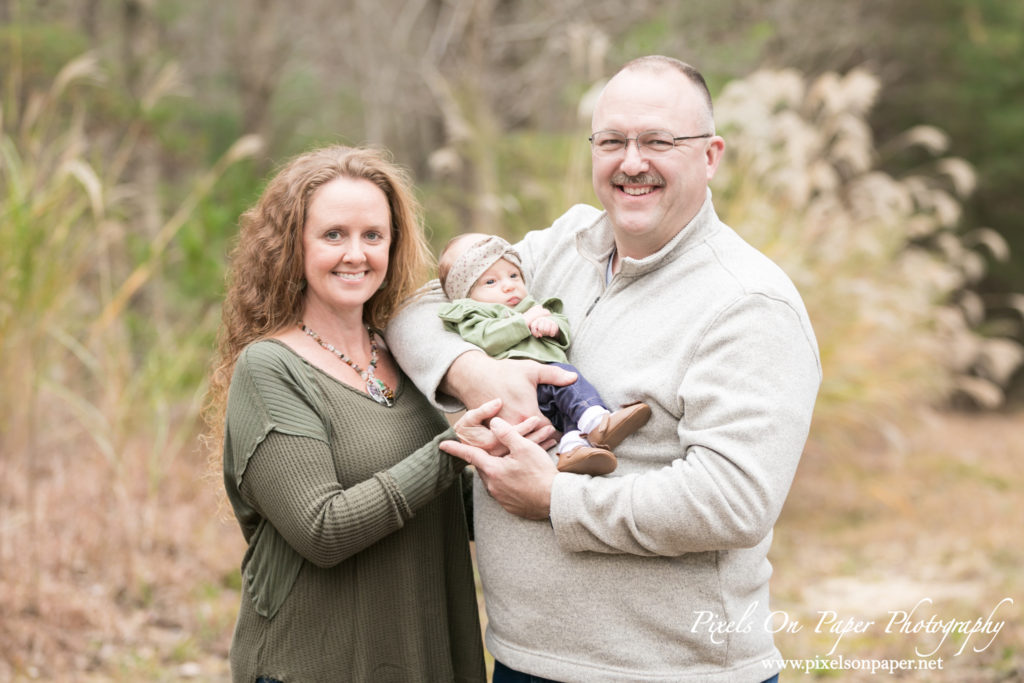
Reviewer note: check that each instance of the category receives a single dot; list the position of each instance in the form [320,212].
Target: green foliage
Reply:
[204,242]
[645,38]
[190,132]
[538,174]
[303,118]
[545,173]
[31,54]
[45,196]
[957,69]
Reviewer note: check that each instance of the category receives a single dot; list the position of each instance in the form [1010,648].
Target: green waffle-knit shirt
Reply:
[358,565]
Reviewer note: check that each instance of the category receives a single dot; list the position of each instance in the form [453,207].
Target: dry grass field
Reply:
[931,519]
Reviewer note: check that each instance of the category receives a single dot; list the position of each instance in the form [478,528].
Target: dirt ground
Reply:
[924,522]
[881,550]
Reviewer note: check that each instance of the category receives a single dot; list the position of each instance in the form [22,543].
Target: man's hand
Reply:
[521,481]
[471,430]
[475,378]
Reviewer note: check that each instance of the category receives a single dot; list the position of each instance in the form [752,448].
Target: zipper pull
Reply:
[591,307]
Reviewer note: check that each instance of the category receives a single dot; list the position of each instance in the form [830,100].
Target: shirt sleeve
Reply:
[748,395]
[494,328]
[564,338]
[291,481]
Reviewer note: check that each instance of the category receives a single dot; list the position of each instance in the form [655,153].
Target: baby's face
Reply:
[502,283]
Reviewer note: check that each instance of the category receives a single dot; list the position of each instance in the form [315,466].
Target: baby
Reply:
[490,307]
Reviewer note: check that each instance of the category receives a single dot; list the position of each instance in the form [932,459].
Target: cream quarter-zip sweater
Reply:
[636,567]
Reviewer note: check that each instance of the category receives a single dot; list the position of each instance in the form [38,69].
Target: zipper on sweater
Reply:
[585,323]
[604,290]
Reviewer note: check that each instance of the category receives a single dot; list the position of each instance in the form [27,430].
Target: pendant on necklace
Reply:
[379,392]
[376,388]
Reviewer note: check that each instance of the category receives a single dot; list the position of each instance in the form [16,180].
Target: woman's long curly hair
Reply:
[265,276]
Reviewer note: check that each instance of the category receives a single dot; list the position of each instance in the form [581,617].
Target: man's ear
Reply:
[713,154]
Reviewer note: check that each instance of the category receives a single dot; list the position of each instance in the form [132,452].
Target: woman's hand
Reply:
[472,430]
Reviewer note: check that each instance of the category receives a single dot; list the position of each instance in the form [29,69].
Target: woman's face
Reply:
[346,241]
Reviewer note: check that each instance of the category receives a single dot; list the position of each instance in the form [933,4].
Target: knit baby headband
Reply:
[474,262]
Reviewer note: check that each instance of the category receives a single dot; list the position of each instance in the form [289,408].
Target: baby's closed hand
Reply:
[534,313]
[544,327]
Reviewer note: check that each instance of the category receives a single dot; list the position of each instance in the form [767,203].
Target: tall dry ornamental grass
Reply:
[88,432]
[881,261]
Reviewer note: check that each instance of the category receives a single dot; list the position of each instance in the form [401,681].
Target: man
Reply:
[657,572]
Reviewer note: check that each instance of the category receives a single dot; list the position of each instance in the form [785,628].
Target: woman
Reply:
[358,564]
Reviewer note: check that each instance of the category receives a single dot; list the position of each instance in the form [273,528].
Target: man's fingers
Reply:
[506,433]
[552,374]
[470,454]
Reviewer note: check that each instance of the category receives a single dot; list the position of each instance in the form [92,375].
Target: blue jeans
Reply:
[564,405]
[503,674]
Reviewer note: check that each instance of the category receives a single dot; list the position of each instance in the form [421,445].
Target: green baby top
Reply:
[502,331]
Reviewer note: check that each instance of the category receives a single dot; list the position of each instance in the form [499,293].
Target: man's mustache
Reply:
[642,179]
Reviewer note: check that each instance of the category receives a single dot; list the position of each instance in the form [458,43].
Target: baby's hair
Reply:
[449,255]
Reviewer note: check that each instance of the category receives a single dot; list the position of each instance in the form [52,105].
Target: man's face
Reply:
[651,196]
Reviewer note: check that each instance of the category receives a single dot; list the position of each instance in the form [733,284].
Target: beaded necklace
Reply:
[378,391]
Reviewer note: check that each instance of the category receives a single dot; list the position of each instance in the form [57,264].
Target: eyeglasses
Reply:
[608,142]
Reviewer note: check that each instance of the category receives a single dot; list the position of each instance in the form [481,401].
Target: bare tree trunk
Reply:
[259,52]
[88,18]
[132,37]
[482,149]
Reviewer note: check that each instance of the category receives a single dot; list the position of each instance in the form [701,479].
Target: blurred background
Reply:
[872,151]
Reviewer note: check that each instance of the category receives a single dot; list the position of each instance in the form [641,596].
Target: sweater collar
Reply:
[595,241]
